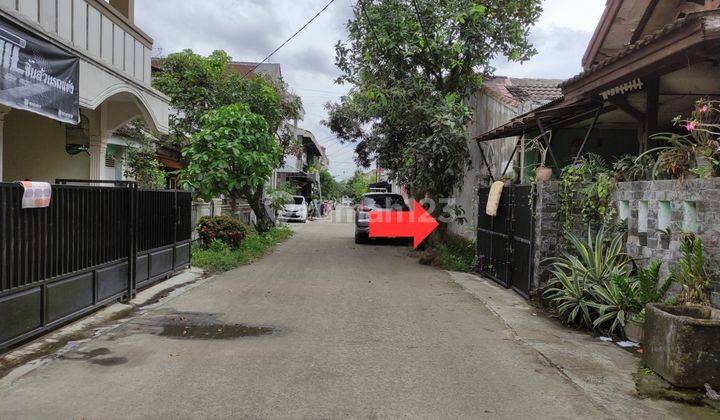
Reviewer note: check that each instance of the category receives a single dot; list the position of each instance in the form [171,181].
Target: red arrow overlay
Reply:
[416,224]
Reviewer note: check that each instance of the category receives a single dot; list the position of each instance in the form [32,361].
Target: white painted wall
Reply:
[94,29]
[34,148]
[114,54]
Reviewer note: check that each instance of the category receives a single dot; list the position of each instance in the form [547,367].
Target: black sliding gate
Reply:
[92,245]
[505,241]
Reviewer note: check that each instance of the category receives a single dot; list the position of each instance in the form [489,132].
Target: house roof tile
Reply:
[641,43]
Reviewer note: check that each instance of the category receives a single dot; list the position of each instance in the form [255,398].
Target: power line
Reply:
[291,37]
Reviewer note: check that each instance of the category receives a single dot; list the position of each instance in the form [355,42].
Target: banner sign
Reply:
[37,76]
[36,194]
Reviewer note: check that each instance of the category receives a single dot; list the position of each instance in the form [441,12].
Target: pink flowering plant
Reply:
[697,151]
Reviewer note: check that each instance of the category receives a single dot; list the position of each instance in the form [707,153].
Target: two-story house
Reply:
[73,72]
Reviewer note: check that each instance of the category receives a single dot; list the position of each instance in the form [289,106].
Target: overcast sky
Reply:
[250,29]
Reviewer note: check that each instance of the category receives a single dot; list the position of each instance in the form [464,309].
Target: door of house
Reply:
[505,241]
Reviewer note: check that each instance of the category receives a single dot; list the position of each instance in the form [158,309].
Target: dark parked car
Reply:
[375,202]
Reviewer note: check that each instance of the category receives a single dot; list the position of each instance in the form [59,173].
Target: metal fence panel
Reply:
[84,250]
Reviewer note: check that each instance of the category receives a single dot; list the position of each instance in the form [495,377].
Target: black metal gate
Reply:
[92,245]
[505,241]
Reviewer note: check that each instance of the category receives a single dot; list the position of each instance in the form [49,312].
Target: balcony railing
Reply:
[93,28]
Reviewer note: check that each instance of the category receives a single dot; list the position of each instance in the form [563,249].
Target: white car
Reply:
[295,210]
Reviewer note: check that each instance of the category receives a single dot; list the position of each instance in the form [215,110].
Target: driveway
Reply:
[329,329]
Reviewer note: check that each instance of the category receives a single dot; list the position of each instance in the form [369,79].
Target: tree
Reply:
[411,63]
[197,84]
[358,185]
[329,185]
[234,154]
[142,163]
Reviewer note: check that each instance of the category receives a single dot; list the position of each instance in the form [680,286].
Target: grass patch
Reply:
[218,257]
[455,253]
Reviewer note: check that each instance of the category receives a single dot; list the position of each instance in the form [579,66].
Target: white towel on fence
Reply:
[494,198]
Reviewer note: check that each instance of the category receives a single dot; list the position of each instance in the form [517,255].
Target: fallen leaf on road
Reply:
[172,354]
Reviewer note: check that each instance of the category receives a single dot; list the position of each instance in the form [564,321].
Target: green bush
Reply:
[455,253]
[219,257]
[225,229]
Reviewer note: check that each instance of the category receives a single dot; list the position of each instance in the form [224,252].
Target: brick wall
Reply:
[658,214]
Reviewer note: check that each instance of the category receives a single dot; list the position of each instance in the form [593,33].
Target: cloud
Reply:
[250,29]
[315,60]
[560,50]
[241,28]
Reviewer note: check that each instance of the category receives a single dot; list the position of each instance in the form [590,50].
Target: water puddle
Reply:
[97,356]
[197,326]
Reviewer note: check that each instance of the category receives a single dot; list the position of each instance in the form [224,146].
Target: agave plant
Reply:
[611,305]
[570,294]
[581,279]
[597,260]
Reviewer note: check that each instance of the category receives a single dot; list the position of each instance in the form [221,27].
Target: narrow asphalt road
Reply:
[359,331]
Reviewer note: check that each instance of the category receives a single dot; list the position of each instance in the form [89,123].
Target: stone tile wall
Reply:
[677,196]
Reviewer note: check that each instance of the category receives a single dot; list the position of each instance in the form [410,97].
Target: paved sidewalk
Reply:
[602,370]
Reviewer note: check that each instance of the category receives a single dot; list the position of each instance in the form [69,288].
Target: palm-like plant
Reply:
[692,274]
[644,288]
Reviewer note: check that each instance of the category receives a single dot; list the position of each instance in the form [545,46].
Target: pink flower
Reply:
[690,126]
[704,109]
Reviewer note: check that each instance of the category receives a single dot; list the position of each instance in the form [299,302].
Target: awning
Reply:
[556,113]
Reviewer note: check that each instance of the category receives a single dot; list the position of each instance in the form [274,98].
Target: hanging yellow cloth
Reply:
[494,198]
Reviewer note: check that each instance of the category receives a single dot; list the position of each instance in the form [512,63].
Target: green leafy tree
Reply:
[411,64]
[329,185]
[358,185]
[141,160]
[234,154]
[197,84]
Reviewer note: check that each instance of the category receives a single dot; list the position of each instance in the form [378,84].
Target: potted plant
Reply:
[542,172]
[638,291]
[665,236]
[681,340]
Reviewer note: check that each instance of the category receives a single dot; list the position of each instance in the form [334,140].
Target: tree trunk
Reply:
[264,220]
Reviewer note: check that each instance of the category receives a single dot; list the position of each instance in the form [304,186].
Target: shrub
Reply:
[455,253]
[582,287]
[645,287]
[692,273]
[218,257]
[225,229]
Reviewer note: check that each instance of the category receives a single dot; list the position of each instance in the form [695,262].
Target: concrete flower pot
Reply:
[634,330]
[682,344]
[543,174]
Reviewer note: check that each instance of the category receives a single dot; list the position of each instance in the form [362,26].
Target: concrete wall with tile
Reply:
[658,213]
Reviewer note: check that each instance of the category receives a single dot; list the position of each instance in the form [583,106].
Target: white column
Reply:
[98,151]
[3,113]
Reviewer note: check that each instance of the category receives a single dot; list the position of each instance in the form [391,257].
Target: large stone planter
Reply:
[682,344]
